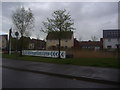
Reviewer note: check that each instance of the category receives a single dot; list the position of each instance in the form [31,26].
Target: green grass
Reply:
[97,62]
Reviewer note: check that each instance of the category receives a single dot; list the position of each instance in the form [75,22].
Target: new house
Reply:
[67,39]
[91,44]
[111,38]
[36,44]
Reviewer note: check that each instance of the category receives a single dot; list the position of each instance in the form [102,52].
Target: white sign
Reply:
[53,54]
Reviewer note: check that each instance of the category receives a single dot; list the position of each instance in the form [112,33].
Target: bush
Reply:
[69,56]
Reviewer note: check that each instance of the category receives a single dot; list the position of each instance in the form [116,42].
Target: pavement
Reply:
[95,74]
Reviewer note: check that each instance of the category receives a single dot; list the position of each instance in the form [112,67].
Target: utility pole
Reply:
[9,49]
[16,34]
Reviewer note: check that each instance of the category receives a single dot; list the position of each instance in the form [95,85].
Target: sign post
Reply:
[16,34]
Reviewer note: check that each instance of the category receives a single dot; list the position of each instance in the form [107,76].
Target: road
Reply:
[0,77]
[21,79]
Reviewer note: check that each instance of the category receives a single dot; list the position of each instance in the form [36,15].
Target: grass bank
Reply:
[98,62]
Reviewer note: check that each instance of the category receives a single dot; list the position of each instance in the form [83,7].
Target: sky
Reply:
[90,18]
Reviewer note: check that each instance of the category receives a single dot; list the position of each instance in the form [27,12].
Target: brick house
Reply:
[88,44]
[36,44]
[28,44]
[91,44]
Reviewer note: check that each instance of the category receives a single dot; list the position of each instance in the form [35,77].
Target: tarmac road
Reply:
[22,79]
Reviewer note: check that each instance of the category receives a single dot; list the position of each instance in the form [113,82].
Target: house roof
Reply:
[113,33]
[90,43]
[5,36]
[55,35]
[37,40]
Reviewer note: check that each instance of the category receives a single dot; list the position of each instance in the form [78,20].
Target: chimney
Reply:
[101,39]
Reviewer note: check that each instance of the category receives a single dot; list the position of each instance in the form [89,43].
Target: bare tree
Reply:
[80,38]
[27,33]
[61,21]
[94,38]
[23,20]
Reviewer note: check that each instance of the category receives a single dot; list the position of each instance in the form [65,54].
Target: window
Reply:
[57,45]
[66,47]
[118,39]
[2,41]
[109,40]
[109,47]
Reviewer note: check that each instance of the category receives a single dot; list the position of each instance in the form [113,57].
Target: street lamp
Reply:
[16,34]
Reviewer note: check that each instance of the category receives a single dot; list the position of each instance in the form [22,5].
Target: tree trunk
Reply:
[21,45]
[59,47]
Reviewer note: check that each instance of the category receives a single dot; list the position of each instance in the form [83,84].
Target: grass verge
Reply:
[97,62]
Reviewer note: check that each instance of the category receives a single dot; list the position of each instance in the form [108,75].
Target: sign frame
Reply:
[44,53]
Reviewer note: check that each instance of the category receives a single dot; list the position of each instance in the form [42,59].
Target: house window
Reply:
[2,41]
[118,39]
[57,45]
[109,40]
[66,47]
[109,47]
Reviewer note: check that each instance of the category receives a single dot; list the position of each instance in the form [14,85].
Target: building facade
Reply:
[28,44]
[91,44]
[67,40]
[3,42]
[111,38]
[36,44]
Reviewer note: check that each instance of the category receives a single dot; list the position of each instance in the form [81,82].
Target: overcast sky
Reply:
[90,18]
